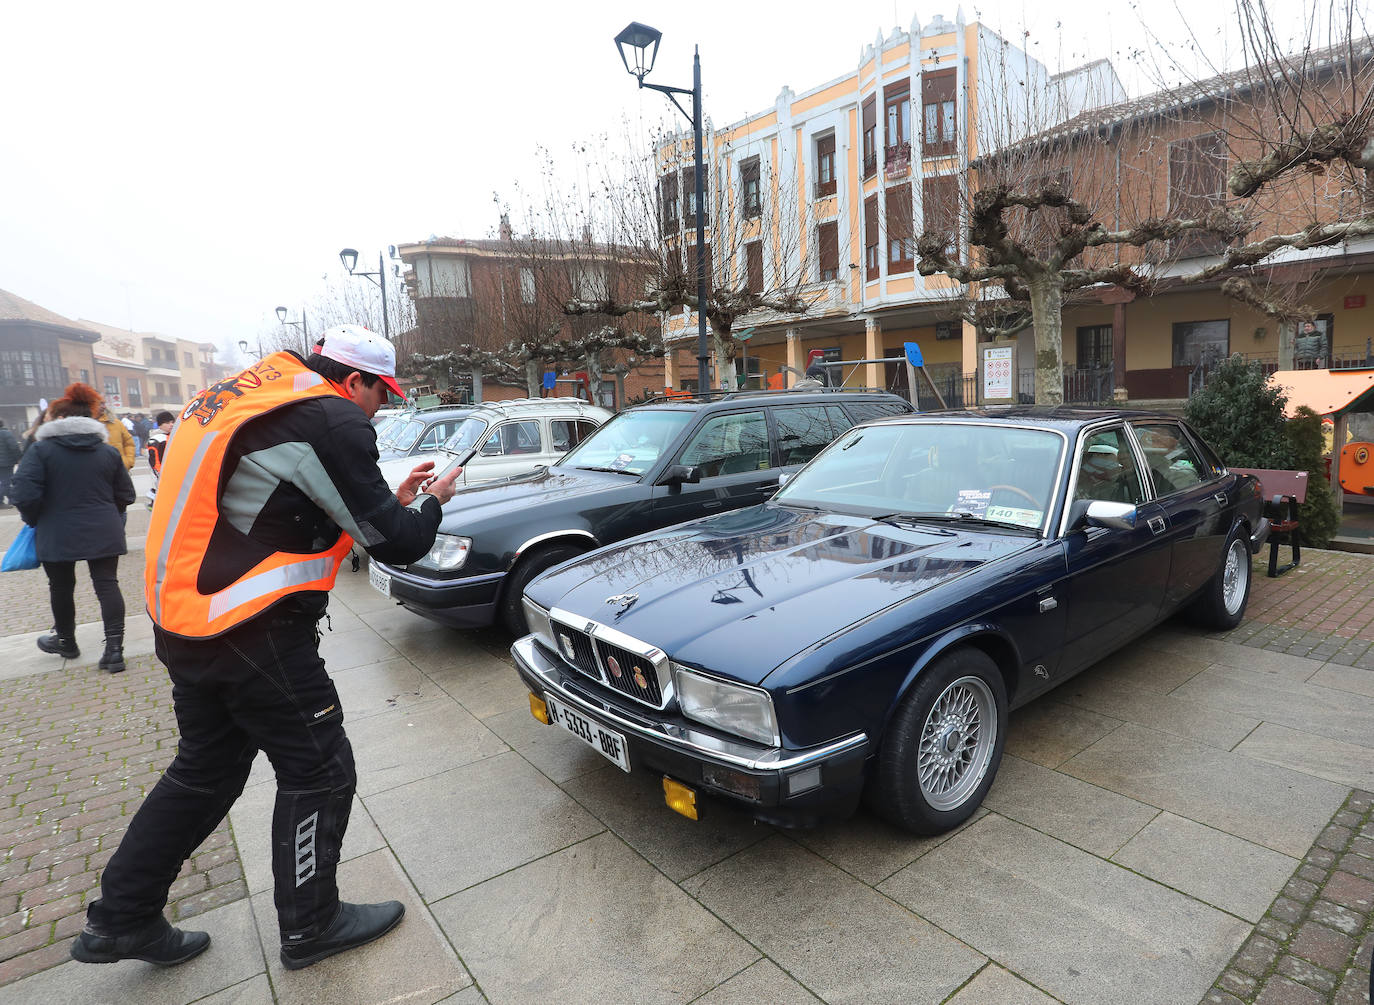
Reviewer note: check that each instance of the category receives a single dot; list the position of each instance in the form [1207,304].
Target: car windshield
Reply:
[954,471]
[630,442]
[465,437]
[383,426]
[402,435]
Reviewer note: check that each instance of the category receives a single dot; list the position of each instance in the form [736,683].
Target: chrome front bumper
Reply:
[1260,535]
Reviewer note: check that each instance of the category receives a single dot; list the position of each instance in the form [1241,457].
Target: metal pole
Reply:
[305,333]
[381,271]
[703,352]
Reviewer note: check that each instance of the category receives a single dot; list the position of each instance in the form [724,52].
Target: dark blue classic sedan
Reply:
[867,630]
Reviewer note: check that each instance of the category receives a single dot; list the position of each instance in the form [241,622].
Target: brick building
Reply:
[41,352]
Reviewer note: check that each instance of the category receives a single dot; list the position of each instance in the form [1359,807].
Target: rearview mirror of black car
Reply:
[1116,515]
[677,474]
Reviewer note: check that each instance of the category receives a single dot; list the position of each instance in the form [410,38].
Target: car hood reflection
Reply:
[741,592]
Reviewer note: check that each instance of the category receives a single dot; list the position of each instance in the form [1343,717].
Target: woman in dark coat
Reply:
[73,488]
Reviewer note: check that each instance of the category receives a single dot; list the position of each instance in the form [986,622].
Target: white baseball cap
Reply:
[355,346]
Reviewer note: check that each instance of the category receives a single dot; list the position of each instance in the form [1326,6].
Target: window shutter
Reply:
[753,266]
[828,239]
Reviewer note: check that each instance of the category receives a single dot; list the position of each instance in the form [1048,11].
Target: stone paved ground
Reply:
[78,751]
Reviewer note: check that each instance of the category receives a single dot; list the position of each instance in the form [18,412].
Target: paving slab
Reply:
[484,685]
[1049,732]
[382,687]
[551,749]
[471,823]
[234,956]
[591,923]
[1309,707]
[1345,763]
[1191,644]
[251,819]
[995,986]
[254,991]
[1084,815]
[1270,805]
[868,847]
[413,962]
[404,744]
[1352,679]
[632,806]
[1108,695]
[762,982]
[357,648]
[1141,666]
[834,934]
[1079,927]
[1217,868]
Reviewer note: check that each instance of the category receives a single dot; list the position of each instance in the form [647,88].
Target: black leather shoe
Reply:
[157,943]
[59,646]
[355,925]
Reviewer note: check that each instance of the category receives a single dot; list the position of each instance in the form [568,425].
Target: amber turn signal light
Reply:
[538,709]
[680,798]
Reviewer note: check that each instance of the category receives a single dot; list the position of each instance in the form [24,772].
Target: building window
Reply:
[937,112]
[825,166]
[190,391]
[940,210]
[692,266]
[135,395]
[753,266]
[870,120]
[1197,185]
[527,285]
[667,194]
[689,197]
[188,359]
[871,238]
[749,187]
[1095,347]
[159,391]
[897,101]
[828,242]
[945,330]
[85,377]
[901,238]
[111,387]
[1201,342]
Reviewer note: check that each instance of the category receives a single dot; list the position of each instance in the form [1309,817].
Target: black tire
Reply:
[967,685]
[529,566]
[1221,604]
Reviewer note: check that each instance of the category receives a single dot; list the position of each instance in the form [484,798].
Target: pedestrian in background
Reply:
[157,449]
[10,452]
[272,476]
[72,487]
[142,430]
[119,436]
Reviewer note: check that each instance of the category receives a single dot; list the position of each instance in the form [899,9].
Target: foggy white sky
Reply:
[173,168]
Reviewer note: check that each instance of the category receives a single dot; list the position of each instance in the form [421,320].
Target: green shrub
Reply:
[1241,416]
[1317,518]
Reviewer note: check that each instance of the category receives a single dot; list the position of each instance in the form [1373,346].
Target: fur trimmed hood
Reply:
[72,425]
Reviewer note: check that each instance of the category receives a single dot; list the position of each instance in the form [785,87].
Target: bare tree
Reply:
[1220,168]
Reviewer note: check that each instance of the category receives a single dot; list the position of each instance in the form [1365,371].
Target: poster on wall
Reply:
[999,374]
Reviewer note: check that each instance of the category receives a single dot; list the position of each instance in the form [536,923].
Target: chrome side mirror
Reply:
[784,478]
[1116,515]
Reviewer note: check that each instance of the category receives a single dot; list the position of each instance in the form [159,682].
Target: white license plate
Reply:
[606,742]
[380,581]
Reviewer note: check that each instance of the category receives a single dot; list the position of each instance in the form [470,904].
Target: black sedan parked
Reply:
[649,467]
[868,629]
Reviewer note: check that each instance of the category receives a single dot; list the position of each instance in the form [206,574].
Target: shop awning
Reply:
[1326,392]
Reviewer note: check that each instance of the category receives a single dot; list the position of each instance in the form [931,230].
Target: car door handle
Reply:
[1157,524]
[1220,497]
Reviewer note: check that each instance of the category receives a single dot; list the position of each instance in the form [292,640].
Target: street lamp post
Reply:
[349,257]
[243,346]
[305,332]
[643,41]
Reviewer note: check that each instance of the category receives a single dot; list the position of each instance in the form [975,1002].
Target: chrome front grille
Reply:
[613,659]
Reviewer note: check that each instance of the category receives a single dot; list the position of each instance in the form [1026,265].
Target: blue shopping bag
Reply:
[22,554]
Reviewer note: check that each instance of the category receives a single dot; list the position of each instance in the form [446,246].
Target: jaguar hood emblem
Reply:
[624,600]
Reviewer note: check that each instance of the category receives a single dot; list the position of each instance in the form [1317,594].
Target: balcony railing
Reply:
[821,189]
[1081,387]
[870,164]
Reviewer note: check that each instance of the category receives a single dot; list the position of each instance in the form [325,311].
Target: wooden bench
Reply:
[1282,491]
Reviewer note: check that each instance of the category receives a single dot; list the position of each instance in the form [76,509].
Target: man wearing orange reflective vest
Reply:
[269,480]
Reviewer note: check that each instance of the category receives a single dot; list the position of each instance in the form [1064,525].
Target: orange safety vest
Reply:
[186,510]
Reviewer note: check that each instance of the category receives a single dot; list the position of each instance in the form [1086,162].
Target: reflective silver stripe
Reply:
[187,482]
[304,381]
[250,589]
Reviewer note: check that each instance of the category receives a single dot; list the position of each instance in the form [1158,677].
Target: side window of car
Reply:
[865,410]
[435,436]
[1107,469]
[1174,462]
[512,438]
[803,431]
[568,433]
[729,444]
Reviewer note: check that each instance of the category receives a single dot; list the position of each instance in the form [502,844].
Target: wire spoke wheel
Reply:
[1235,577]
[957,742]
